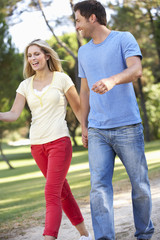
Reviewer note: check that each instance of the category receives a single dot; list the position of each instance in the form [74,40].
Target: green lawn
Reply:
[22,189]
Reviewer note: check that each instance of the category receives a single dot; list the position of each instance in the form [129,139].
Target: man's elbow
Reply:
[139,73]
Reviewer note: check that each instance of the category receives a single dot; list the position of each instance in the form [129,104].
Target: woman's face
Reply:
[36,58]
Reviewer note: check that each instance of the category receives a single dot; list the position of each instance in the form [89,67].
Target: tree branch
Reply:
[62,44]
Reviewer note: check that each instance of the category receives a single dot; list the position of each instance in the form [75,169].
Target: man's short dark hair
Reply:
[87,8]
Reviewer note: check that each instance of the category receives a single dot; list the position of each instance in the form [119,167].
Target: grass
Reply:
[22,189]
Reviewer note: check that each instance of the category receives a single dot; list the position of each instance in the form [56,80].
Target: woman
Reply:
[46,90]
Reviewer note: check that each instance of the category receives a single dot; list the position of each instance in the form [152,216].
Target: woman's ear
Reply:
[47,56]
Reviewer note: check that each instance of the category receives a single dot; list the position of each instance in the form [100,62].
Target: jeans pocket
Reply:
[131,135]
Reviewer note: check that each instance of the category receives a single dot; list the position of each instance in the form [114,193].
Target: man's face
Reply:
[83,25]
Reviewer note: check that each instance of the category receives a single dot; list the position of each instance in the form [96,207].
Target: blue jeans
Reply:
[128,144]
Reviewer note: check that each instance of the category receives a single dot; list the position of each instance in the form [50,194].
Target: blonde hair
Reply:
[54,63]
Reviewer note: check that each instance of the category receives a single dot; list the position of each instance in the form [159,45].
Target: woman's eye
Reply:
[33,55]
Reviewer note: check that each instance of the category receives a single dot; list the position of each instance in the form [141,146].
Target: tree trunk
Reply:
[62,44]
[145,117]
[154,33]
[73,138]
[77,79]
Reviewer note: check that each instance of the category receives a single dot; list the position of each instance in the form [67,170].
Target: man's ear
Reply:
[93,18]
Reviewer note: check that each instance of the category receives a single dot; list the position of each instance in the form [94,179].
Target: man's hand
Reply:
[130,74]
[103,85]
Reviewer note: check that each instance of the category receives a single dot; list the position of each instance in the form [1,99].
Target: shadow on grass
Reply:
[18,156]
[152,146]
[21,198]
[6,173]
[21,209]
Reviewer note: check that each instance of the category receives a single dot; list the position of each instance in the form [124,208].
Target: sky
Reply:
[33,26]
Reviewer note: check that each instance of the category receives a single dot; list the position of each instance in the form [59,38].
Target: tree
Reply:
[14,8]
[139,17]
[152,93]
[17,7]
[147,13]
[61,43]
[11,75]
[134,16]
[65,51]
[68,64]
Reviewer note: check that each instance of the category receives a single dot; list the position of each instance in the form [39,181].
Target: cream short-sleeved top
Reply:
[48,110]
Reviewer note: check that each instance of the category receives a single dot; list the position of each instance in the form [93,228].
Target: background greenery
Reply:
[141,18]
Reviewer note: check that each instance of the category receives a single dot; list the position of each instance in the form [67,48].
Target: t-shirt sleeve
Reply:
[67,83]
[130,46]
[21,88]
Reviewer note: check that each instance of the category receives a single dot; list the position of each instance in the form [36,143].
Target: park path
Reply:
[123,218]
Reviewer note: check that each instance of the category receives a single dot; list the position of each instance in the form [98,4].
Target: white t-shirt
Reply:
[48,110]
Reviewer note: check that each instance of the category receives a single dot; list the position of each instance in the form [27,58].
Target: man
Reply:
[111,123]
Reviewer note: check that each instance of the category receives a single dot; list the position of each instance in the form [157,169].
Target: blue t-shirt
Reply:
[117,107]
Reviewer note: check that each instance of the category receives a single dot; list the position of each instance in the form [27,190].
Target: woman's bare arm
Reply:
[15,111]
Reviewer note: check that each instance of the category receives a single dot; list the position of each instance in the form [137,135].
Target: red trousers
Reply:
[54,159]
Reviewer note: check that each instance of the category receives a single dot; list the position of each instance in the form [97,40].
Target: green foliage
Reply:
[11,64]
[152,94]
[142,19]
[157,31]
[68,62]
[127,20]
[152,101]
[157,41]
[7,7]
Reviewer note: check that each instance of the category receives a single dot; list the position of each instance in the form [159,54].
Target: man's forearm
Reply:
[84,103]
[130,74]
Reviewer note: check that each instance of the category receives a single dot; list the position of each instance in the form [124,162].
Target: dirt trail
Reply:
[123,219]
